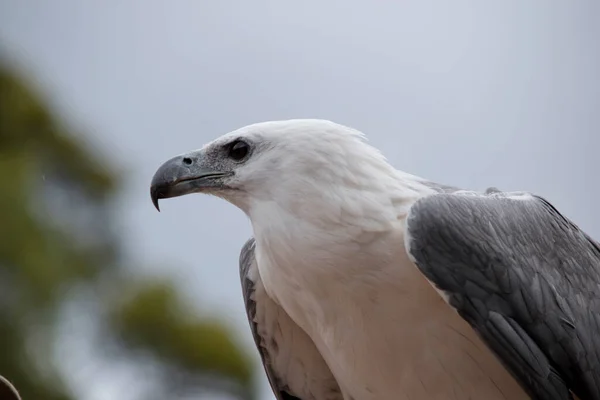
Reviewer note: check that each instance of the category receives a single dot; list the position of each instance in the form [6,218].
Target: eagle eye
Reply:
[238,150]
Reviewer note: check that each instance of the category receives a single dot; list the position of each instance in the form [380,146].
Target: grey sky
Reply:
[470,93]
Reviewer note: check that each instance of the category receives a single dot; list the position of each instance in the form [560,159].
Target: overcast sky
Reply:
[469,93]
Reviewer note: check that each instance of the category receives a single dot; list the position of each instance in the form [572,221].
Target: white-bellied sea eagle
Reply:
[362,282]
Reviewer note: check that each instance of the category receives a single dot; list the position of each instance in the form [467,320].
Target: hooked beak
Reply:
[183,175]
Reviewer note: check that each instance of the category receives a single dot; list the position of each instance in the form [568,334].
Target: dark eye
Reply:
[239,150]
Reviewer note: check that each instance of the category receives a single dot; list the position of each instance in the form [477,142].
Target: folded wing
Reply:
[294,367]
[524,277]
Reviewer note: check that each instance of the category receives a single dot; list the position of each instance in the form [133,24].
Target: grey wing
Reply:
[295,368]
[524,277]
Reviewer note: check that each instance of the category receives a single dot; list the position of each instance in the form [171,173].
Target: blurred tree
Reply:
[56,236]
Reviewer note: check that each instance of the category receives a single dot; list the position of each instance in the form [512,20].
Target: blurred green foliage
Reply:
[56,236]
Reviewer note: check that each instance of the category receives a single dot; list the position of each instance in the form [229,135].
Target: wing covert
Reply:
[524,277]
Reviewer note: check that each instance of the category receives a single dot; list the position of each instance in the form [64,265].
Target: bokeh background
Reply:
[101,297]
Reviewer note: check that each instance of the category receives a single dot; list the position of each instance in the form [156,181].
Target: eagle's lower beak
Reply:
[183,175]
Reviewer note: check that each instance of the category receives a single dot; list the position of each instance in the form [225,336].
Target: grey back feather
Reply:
[524,277]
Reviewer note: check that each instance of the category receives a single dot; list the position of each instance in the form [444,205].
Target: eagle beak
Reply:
[183,175]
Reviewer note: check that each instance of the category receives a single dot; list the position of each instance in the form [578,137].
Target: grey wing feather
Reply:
[524,277]
[294,367]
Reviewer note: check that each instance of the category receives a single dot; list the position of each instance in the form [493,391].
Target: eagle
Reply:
[364,282]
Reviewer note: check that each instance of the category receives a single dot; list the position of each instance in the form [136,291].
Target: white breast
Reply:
[382,329]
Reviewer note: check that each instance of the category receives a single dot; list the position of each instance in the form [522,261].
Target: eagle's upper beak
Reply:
[183,175]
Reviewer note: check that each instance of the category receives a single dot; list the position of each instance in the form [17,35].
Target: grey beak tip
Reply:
[155,196]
